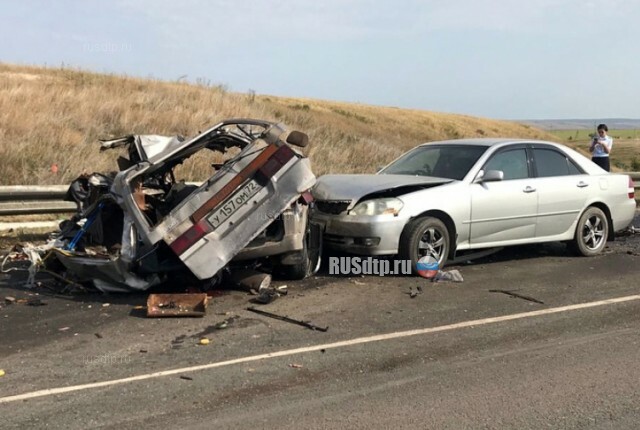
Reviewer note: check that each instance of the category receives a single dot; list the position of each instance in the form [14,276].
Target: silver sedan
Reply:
[444,197]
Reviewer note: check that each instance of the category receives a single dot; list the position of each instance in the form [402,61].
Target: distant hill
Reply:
[583,124]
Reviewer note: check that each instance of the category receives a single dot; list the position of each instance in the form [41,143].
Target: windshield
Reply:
[442,161]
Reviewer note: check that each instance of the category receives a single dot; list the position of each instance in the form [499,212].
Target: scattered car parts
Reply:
[177,305]
[289,320]
[519,296]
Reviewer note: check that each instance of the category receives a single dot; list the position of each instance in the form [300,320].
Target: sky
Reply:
[504,59]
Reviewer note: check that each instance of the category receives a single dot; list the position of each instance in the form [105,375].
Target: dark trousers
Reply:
[602,162]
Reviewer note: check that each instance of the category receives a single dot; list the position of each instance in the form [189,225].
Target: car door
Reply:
[563,190]
[505,211]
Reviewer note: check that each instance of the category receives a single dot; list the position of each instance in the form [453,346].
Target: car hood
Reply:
[355,187]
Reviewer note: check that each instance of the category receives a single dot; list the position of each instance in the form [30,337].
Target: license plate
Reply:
[235,202]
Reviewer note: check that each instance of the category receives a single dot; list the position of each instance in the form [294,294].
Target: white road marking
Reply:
[350,342]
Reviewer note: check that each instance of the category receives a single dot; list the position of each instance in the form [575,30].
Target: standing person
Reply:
[601,148]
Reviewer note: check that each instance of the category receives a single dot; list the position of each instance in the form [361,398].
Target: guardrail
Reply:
[33,200]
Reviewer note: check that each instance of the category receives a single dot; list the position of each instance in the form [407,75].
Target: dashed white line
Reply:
[341,344]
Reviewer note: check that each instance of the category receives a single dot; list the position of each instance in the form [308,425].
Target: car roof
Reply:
[485,141]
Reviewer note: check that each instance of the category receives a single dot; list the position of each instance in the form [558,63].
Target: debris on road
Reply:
[225,323]
[204,341]
[177,305]
[9,300]
[452,275]
[295,365]
[269,294]
[520,296]
[289,320]
[413,292]
[177,342]
[35,302]
[258,284]
[251,280]
[631,230]
[2,373]
[186,378]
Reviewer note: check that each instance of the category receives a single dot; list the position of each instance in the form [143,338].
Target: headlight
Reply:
[378,207]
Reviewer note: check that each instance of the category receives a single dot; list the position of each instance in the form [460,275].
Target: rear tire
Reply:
[591,232]
[299,271]
[311,256]
[425,236]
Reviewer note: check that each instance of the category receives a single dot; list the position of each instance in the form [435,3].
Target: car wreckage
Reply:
[152,228]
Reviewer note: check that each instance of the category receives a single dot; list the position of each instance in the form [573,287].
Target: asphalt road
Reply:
[568,368]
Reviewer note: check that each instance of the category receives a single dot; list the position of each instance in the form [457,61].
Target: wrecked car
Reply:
[155,227]
[443,197]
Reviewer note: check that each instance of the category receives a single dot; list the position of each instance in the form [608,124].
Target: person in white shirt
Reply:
[601,148]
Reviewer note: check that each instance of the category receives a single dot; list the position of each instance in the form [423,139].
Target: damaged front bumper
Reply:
[361,234]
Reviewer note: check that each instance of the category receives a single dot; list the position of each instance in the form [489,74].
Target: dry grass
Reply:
[625,155]
[55,116]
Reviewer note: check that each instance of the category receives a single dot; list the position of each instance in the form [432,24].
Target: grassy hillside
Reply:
[625,155]
[55,116]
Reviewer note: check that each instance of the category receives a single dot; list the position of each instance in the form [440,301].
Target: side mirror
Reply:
[298,138]
[489,176]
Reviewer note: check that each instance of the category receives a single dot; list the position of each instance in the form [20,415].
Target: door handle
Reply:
[582,184]
[529,189]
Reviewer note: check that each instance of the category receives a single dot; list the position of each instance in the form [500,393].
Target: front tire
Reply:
[591,233]
[425,236]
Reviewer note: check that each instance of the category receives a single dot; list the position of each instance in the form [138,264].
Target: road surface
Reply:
[456,356]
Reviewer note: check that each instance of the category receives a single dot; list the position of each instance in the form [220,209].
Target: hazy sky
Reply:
[510,59]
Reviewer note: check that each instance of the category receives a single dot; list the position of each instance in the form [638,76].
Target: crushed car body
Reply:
[152,226]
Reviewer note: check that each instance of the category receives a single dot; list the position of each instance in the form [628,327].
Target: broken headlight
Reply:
[378,207]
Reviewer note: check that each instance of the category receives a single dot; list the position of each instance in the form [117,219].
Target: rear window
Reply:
[553,163]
